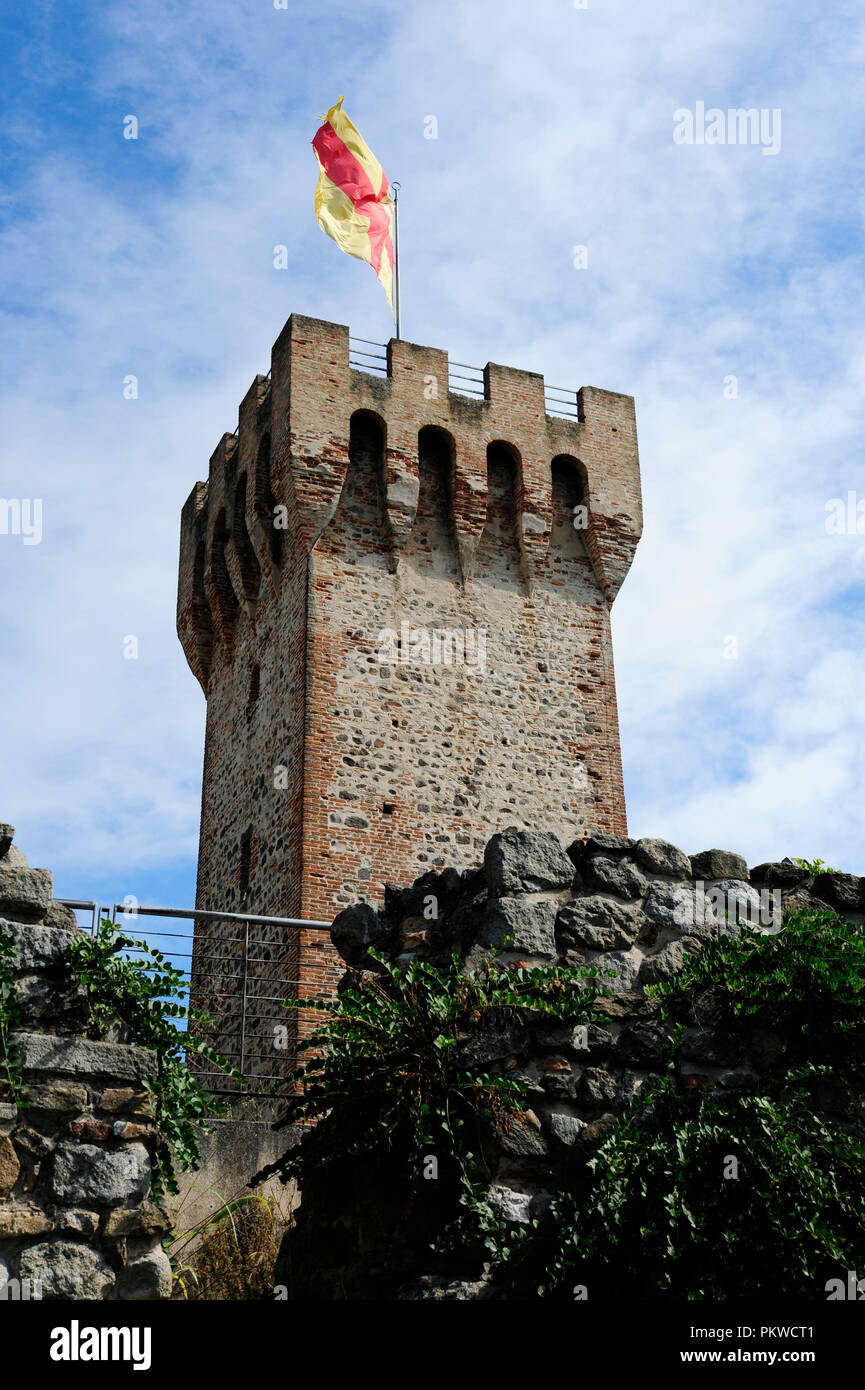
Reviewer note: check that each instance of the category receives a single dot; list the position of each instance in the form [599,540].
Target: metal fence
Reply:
[363,361]
[240,969]
[463,378]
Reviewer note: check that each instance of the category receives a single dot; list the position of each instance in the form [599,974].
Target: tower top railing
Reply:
[464,379]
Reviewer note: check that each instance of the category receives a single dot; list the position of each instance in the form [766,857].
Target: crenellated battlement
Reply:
[277,480]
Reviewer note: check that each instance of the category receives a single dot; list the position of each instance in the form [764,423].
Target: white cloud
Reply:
[555,128]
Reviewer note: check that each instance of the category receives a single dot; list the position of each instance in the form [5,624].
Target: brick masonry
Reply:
[412,523]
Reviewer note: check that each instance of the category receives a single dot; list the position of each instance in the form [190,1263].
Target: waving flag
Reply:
[353,201]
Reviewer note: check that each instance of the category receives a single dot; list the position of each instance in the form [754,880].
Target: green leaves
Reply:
[391,1063]
[10,1014]
[145,992]
[815,866]
[660,1214]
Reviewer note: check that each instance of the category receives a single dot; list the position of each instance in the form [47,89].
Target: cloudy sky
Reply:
[723,290]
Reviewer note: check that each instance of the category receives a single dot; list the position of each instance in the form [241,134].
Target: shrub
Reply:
[235,1255]
[392,1068]
[664,1210]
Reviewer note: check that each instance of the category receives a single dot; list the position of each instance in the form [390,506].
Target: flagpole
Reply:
[396,188]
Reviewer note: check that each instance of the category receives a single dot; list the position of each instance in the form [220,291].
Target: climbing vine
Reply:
[10,1014]
[147,993]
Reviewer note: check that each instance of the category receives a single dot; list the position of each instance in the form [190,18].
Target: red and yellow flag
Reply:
[353,203]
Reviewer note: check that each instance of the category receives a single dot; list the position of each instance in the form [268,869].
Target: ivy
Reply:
[663,1210]
[707,1197]
[807,983]
[147,992]
[10,1014]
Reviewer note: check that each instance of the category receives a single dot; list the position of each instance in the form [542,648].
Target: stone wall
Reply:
[230,1152]
[632,907]
[412,510]
[76,1220]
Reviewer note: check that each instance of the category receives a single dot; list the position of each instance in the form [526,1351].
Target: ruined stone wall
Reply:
[630,907]
[415,511]
[76,1221]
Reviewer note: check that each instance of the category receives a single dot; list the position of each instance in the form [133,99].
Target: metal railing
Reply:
[373,362]
[93,908]
[468,381]
[561,400]
[238,978]
[558,400]
[464,384]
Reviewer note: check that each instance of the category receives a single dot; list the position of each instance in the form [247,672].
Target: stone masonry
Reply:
[631,907]
[76,1221]
[401,623]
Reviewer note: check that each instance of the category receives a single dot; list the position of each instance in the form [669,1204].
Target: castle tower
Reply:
[401,625]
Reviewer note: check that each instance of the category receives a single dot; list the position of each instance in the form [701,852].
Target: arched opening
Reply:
[357,531]
[499,554]
[226,598]
[265,502]
[570,498]
[201,610]
[250,569]
[432,543]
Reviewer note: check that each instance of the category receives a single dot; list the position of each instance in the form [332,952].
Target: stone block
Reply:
[10,1166]
[77,1222]
[660,857]
[44,1052]
[48,1003]
[38,947]
[625,966]
[25,893]
[23,1221]
[513,1207]
[57,1096]
[529,861]
[597,1087]
[620,876]
[67,1270]
[91,1130]
[598,923]
[531,925]
[131,1102]
[147,1219]
[664,965]
[62,917]
[783,874]
[718,863]
[843,892]
[146,1277]
[355,930]
[675,906]
[563,1128]
[84,1172]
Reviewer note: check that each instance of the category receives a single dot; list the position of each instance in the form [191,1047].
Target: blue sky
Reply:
[154,257]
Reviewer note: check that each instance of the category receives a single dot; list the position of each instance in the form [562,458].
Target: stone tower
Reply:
[396,599]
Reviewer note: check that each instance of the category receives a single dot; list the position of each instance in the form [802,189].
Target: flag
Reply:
[353,202]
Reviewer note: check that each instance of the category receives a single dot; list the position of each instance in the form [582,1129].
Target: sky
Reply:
[721,285]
